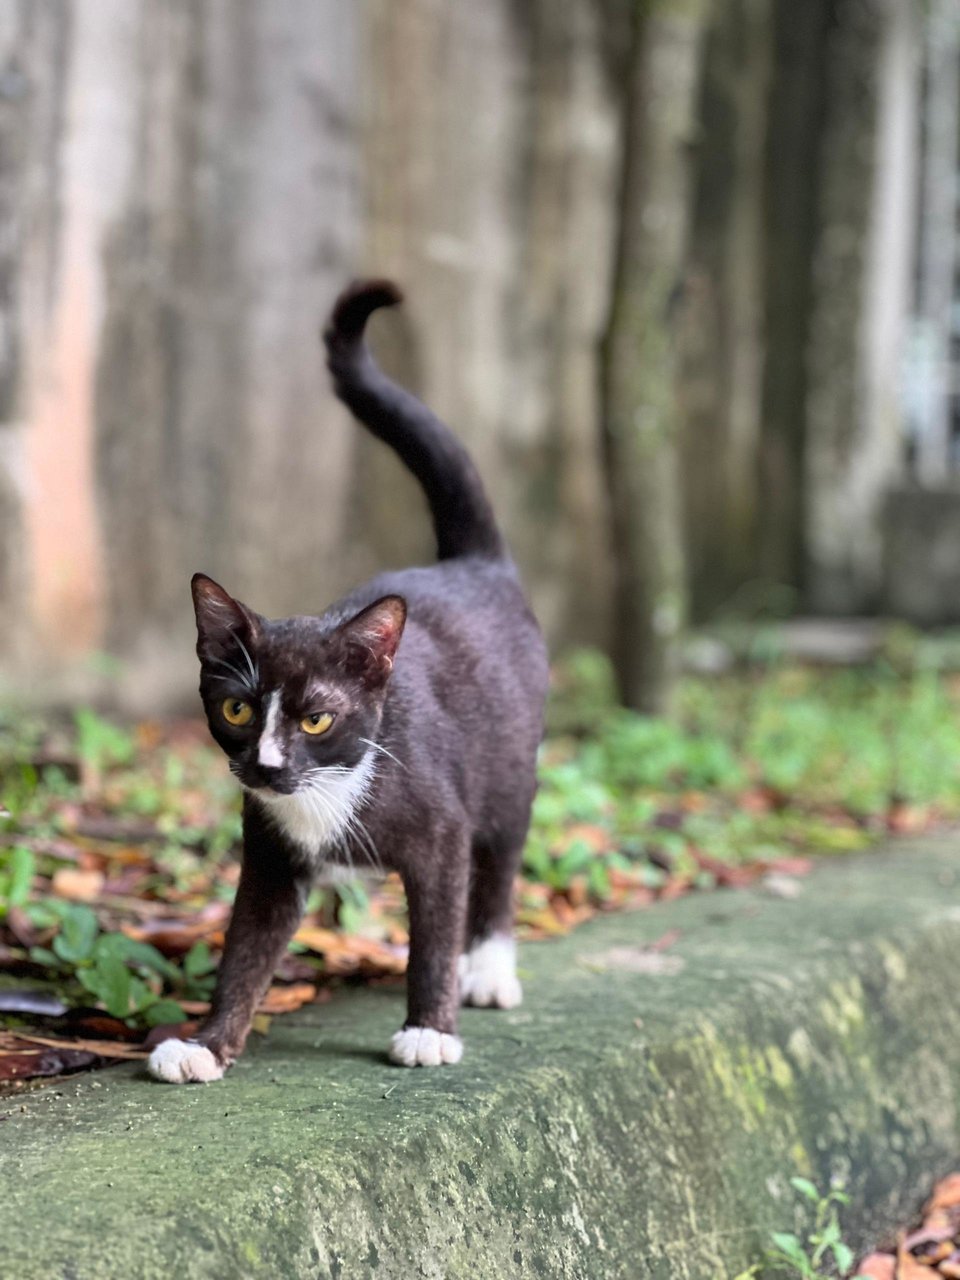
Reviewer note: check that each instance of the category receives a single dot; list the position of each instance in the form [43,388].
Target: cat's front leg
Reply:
[437,891]
[270,901]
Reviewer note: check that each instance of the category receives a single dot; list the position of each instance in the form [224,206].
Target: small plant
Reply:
[823,1247]
[17,867]
[126,976]
[100,742]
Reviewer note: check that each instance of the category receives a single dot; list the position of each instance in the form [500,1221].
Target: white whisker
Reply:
[240,675]
[378,746]
[369,847]
[253,670]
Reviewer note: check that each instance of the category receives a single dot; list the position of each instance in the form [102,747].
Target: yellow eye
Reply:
[318,723]
[236,712]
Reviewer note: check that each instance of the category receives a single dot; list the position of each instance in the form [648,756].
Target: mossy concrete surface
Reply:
[639,1116]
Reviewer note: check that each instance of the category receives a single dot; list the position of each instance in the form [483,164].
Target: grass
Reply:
[761,766]
[767,762]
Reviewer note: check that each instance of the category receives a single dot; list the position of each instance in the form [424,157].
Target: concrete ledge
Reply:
[621,1124]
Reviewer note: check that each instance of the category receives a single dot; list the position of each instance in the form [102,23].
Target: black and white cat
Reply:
[397,730]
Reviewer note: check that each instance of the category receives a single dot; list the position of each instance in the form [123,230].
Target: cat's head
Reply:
[285,699]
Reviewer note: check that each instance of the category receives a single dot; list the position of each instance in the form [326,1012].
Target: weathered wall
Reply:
[861,296]
[798,293]
[184,188]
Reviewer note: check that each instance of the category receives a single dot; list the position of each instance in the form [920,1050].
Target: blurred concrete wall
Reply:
[184,186]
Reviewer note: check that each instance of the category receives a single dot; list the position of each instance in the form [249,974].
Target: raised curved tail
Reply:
[462,515]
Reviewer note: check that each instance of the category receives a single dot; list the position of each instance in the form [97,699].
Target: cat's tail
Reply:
[461,511]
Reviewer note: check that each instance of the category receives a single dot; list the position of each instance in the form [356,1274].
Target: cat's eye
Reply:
[236,712]
[316,724]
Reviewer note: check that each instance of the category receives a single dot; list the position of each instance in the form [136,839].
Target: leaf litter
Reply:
[931,1249]
[119,845]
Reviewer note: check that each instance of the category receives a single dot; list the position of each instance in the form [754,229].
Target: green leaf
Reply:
[110,981]
[40,914]
[198,960]
[792,1250]
[141,997]
[140,954]
[598,881]
[162,1012]
[101,743]
[843,1256]
[22,868]
[74,943]
[806,1188]
[43,955]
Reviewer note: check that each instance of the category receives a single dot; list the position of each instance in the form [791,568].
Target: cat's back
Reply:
[468,625]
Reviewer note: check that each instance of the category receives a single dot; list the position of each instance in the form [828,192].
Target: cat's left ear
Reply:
[370,640]
[222,622]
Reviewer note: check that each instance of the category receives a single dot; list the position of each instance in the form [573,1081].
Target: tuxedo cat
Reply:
[397,730]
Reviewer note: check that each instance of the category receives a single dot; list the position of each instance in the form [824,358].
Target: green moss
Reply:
[570,1141]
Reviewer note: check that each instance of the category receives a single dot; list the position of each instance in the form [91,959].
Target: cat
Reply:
[396,731]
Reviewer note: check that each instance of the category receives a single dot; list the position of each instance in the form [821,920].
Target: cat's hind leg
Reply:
[437,900]
[488,966]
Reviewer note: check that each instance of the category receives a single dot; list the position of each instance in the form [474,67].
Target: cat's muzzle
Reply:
[260,777]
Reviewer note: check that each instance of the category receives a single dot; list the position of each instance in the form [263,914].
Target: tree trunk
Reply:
[938,257]
[796,112]
[723,329]
[861,285]
[639,356]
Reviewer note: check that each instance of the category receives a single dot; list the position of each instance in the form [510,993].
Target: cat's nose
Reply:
[275,777]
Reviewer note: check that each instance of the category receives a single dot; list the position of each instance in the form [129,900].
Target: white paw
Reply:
[488,974]
[424,1047]
[182,1061]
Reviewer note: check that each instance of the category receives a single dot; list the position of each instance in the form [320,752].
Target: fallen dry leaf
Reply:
[754,801]
[730,876]
[595,837]
[279,999]
[790,866]
[170,1031]
[77,885]
[904,819]
[878,1266]
[908,1268]
[30,1063]
[174,938]
[346,953]
[675,887]
[317,939]
[287,999]
[665,940]
[568,913]
[102,1048]
[539,923]
[20,925]
[931,1243]
[946,1195]
[92,1024]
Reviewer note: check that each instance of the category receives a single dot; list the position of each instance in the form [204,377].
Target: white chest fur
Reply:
[323,812]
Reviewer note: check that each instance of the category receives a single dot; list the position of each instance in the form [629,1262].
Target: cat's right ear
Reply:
[222,622]
[370,640]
